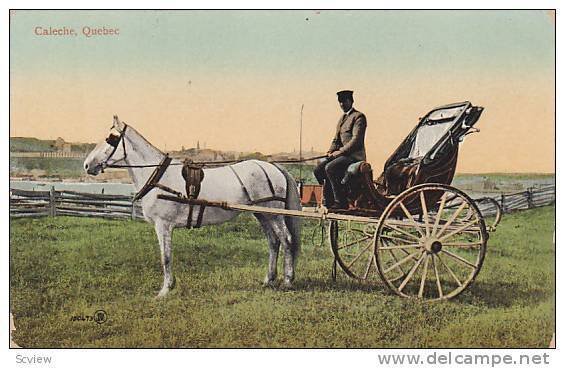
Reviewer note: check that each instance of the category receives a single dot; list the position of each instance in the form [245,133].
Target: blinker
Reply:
[113,140]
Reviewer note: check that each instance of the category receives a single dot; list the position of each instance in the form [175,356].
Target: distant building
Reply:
[63,146]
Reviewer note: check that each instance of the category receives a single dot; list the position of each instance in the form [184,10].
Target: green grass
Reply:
[28,144]
[61,267]
[63,167]
[25,144]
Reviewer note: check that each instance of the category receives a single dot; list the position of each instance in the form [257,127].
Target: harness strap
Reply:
[200,216]
[198,219]
[189,218]
[268,199]
[268,179]
[153,180]
[167,189]
[241,183]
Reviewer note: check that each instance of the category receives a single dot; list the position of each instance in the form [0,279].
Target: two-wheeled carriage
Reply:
[409,227]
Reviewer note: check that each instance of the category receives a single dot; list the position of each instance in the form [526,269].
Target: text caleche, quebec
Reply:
[86,31]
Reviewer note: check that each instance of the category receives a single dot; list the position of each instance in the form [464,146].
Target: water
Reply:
[95,188]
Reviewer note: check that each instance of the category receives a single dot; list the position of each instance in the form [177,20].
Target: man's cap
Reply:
[345,94]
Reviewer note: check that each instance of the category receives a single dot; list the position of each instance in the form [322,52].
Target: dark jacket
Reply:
[350,135]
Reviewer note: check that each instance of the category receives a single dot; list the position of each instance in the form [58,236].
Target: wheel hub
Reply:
[432,245]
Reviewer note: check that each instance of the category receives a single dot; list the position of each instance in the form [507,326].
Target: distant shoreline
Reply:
[71,179]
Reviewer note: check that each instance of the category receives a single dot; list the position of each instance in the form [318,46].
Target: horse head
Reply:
[108,152]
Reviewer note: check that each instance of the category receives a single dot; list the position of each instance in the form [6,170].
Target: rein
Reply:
[153,181]
[216,163]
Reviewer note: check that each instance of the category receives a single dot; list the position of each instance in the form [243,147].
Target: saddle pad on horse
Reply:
[261,181]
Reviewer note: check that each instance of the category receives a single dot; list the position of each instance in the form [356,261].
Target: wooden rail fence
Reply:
[516,201]
[26,203]
[56,154]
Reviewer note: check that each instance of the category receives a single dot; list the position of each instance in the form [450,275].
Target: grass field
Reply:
[62,167]
[65,267]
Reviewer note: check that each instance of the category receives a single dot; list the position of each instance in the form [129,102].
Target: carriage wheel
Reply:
[491,206]
[430,242]
[318,237]
[353,248]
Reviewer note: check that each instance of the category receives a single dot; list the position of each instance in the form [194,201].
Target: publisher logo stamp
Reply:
[100,317]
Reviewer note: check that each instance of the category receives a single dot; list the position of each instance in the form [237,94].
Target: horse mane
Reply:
[132,129]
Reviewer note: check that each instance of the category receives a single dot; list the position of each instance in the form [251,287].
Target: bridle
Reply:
[114,141]
[153,181]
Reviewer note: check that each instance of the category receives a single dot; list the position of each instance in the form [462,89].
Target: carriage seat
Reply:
[355,168]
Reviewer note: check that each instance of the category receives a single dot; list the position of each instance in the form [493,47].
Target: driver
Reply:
[347,147]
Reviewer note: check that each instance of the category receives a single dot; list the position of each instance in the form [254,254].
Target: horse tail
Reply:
[292,203]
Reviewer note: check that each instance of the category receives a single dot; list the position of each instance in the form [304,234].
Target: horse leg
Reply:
[274,245]
[164,233]
[290,246]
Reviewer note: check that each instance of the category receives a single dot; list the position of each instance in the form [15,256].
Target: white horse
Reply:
[247,182]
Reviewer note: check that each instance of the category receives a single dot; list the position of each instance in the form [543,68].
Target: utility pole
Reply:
[300,147]
[300,181]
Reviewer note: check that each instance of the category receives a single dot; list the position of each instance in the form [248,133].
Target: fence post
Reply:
[529,197]
[133,210]
[52,201]
[502,202]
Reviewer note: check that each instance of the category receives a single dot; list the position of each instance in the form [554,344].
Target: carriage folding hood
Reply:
[438,131]
[445,124]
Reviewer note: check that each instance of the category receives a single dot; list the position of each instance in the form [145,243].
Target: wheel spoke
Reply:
[424,274]
[451,219]
[438,282]
[368,268]
[403,240]
[438,214]
[458,230]
[354,242]
[405,246]
[409,215]
[412,271]
[463,245]
[459,258]
[396,259]
[390,246]
[401,262]
[425,212]
[401,231]
[449,270]
[359,255]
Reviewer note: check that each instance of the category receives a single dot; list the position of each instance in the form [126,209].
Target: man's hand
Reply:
[333,154]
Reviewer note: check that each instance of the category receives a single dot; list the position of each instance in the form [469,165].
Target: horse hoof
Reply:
[270,284]
[287,285]
[162,294]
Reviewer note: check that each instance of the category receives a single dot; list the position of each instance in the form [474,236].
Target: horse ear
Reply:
[118,125]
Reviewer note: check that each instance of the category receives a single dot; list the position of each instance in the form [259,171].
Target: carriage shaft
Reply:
[298,213]
[269,210]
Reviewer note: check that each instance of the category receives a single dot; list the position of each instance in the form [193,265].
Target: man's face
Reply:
[345,104]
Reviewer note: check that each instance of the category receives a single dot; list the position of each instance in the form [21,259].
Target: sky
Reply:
[236,80]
